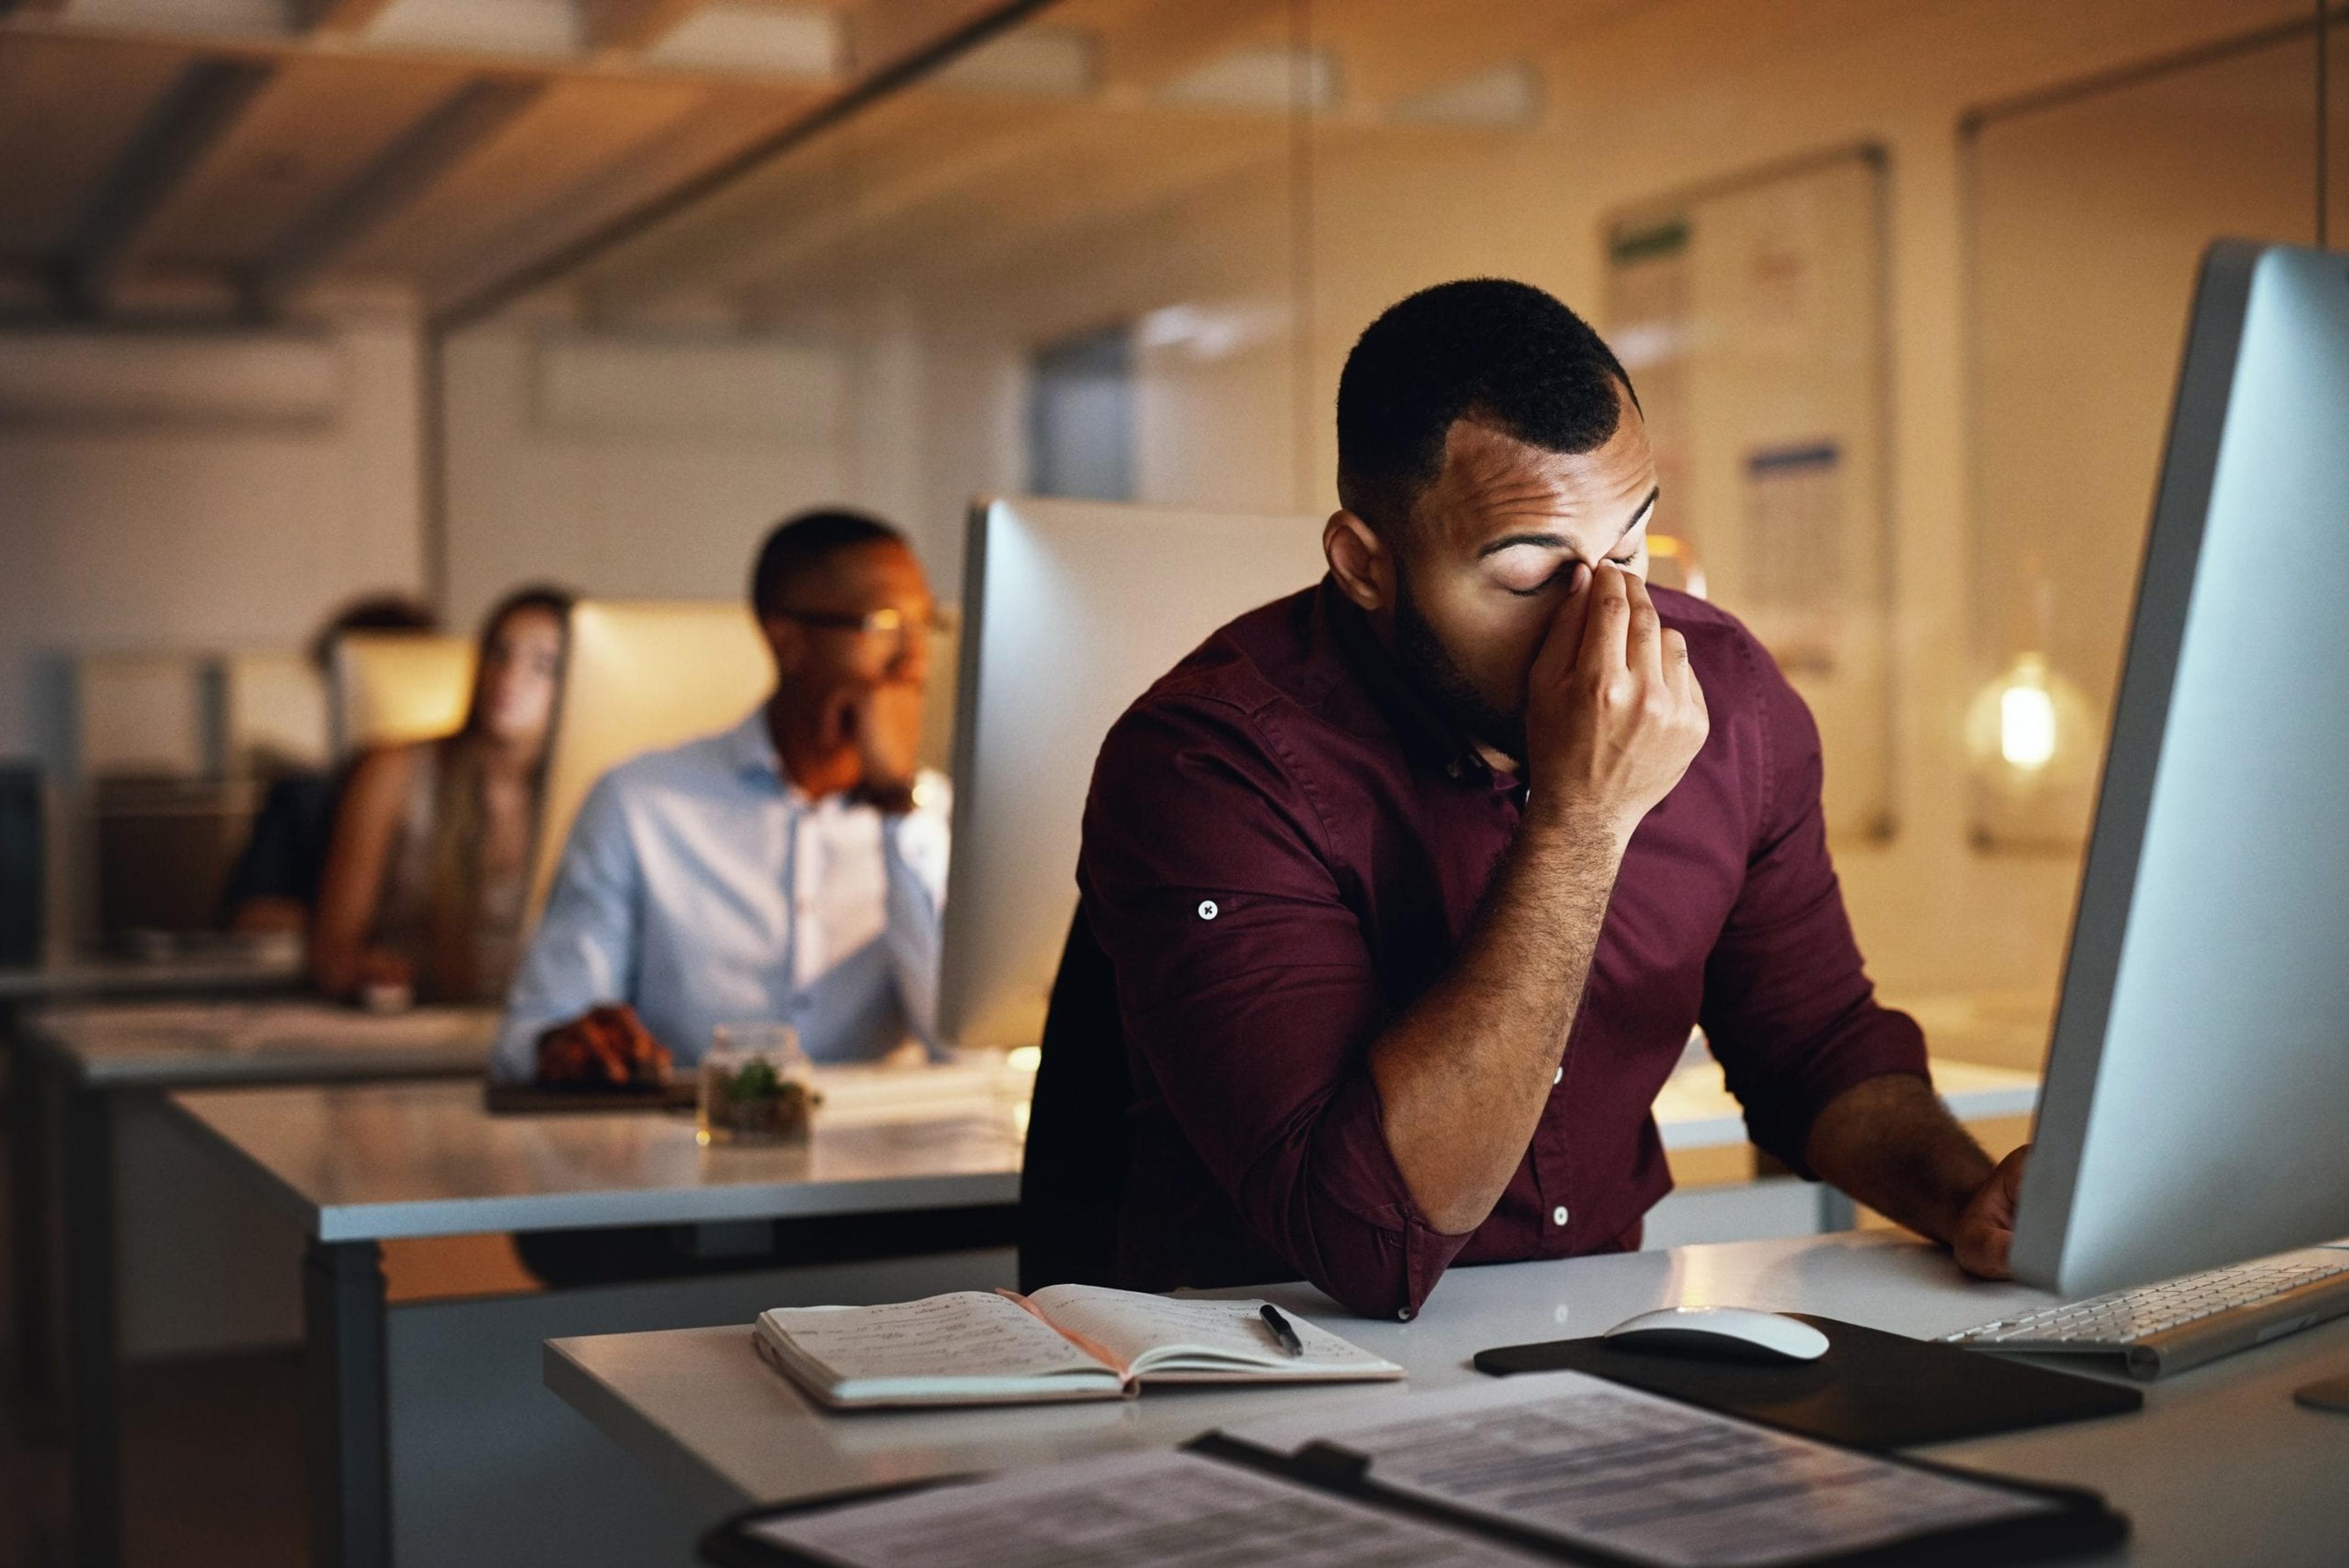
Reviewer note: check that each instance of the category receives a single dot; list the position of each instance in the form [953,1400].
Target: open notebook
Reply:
[1065,1342]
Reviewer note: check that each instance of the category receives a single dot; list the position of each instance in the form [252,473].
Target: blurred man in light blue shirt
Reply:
[791,870]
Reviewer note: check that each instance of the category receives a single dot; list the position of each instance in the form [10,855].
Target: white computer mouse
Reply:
[1721,1334]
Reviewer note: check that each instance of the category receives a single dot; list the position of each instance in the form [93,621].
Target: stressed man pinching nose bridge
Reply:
[1488,825]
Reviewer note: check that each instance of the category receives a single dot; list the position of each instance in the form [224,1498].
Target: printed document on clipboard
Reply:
[1568,1460]
[1546,1467]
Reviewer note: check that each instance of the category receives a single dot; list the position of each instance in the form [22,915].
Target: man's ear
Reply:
[785,641]
[1361,562]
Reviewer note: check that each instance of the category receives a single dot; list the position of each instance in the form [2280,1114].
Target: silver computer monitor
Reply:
[2197,1106]
[1072,609]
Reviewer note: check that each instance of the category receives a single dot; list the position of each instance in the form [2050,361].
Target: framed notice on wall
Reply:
[1751,314]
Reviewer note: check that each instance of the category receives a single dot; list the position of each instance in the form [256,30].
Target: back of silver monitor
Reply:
[2197,1106]
[1071,610]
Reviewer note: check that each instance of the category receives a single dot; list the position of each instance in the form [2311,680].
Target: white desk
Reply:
[359,1164]
[73,1065]
[97,978]
[2219,1466]
[391,1160]
[242,1044]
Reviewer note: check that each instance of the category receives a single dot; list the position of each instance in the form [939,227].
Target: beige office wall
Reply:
[175,491]
[619,498]
[648,464]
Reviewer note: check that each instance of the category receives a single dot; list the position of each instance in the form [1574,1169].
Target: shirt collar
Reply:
[750,752]
[749,749]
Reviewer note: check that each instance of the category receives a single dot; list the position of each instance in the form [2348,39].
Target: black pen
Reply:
[1281,1331]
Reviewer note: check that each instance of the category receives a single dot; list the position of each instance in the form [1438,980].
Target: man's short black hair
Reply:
[1497,352]
[798,545]
[370,613]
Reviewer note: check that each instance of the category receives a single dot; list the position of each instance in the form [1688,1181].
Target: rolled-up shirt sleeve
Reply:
[1247,989]
[1788,1008]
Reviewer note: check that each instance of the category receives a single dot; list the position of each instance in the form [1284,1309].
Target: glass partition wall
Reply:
[1903,293]
[2091,209]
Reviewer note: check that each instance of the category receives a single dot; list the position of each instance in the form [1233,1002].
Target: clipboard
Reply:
[728,1543]
[2078,1521]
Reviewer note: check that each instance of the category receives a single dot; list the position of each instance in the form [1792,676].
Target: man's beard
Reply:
[1428,668]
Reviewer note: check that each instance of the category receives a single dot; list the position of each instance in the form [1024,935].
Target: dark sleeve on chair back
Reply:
[1078,1137]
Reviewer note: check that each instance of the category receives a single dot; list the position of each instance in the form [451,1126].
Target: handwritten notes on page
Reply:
[937,1337]
[1136,1511]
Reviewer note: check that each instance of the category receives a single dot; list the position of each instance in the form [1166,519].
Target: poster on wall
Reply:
[1751,317]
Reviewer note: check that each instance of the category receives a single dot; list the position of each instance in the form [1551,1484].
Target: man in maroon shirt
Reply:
[1403,893]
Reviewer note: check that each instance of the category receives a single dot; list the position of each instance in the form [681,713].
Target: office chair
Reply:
[1080,1142]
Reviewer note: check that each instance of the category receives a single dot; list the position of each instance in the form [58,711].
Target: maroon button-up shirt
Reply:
[1283,848]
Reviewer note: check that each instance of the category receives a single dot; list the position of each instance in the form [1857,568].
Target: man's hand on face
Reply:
[608,1048]
[1614,714]
[1984,1234]
[885,721]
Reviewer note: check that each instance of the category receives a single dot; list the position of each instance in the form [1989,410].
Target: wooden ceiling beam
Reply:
[885,33]
[1028,222]
[728,122]
[630,24]
[982,157]
[177,134]
[982,21]
[407,168]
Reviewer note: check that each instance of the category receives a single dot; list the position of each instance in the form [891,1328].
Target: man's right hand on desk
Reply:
[608,1047]
[1984,1234]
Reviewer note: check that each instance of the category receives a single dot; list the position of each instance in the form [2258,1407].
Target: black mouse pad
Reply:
[1871,1390]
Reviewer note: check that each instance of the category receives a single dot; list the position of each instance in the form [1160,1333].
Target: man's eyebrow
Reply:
[1560,541]
[1640,516]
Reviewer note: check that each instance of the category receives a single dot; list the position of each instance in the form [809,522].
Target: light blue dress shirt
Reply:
[701,885]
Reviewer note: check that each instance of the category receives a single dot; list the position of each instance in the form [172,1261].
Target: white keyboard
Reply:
[2181,1323]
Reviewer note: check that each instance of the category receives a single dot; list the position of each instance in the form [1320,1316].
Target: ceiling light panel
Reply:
[1265,78]
[801,42]
[525,28]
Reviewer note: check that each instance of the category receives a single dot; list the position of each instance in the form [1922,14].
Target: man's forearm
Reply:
[1892,1144]
[1463,1074]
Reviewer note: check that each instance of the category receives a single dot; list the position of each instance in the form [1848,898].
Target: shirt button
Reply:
[1557,1216]
[1207,910]
[1558,1077]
